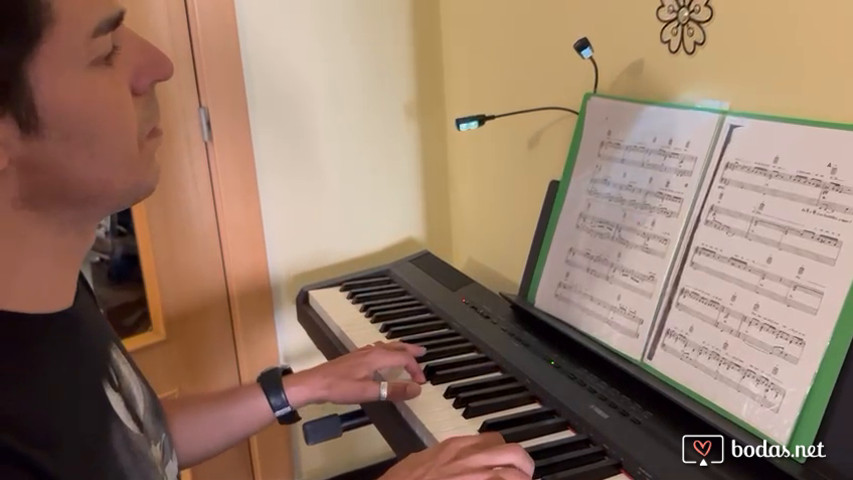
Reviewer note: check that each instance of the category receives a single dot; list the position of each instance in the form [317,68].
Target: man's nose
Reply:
[153,67]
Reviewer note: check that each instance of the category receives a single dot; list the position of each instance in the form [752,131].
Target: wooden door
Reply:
[186,344]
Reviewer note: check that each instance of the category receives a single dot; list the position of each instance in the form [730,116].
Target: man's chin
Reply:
[145,189]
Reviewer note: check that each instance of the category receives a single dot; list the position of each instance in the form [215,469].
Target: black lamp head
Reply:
[471,122]
[584,48]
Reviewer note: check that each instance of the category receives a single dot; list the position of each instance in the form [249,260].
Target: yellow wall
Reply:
[781,57]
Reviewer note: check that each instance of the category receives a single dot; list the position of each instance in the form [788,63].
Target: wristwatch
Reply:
[271,384]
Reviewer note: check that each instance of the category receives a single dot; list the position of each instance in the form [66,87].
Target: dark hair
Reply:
[22,25]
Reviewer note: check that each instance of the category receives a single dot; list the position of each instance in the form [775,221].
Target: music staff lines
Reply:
[775,192]
[617,152]
[635,204]
[615,273]
[608,307]
[616,232]
[644,150]
[755,222]
[794,289]
[784,340]
[627,187]
[679,172]
[725,370]
[823,185]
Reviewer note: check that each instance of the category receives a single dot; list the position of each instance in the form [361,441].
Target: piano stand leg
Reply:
[370,472]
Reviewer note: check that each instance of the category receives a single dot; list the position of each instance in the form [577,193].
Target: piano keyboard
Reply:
[466,392]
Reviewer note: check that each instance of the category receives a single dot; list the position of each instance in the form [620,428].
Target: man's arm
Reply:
[206,425]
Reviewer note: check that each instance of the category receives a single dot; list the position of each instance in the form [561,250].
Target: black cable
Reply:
[536,110]
[595,66]
[472,122]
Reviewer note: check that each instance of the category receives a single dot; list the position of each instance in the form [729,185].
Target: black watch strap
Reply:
[271,384]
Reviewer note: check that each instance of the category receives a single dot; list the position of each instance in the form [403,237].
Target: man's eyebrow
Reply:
[109,24]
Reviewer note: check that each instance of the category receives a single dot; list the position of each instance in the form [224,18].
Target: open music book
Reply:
[714,249]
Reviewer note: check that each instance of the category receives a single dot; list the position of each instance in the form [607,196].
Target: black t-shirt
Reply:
[72,403]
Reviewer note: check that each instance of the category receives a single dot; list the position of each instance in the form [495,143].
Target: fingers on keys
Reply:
[395,354]
[488,457]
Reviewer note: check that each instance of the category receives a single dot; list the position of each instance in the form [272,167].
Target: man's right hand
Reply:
[475,457]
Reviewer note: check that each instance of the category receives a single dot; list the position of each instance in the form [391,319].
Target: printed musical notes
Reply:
[633,185]
[656,159]
[620,319]
[766,272]
[601,267]
[805,243]
[624,235]
[823,185]
[827,195]
[755,279]
[755,332]
[725,370]
[636,198]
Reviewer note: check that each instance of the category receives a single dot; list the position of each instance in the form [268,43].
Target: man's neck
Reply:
[40,261]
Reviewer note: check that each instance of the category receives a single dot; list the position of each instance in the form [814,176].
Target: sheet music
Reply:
[766,274]
[637,171]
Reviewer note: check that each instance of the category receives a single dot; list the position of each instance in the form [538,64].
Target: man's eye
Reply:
[109,59]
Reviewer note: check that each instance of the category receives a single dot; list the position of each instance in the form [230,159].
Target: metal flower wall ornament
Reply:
[684,22]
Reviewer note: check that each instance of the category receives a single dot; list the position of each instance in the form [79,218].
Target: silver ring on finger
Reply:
[383,391]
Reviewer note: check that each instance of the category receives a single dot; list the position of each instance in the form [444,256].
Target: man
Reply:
[78,134]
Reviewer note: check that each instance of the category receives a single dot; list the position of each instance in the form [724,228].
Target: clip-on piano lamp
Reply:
[471,122]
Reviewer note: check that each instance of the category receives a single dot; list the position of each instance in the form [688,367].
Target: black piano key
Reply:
[398,313]
[417,339]
[394,304]
[457,388]
[454,363]
[395,292]
[565,462]
[443,342]
[384,301]
[446,352]
[461,373]
[556,447]
[377,288]
[407,322]
[595,471]
[464,399]
[365,282]
[398,332]
[541,428]
[497,404]
[517,419]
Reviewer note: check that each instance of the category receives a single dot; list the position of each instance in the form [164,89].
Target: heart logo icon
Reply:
[704,448]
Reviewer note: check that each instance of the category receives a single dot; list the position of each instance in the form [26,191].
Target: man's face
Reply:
[93,83]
